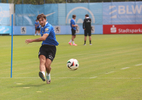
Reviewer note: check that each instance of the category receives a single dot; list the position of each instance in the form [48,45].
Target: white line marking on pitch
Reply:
[19,83]
[93,77]
[125,68]
[38,91]
[110,72]
[138,64]
[26,87]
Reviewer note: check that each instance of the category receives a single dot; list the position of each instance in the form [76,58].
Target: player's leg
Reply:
[90,40]
[47,64]
[42,57]
[42,67]
[48,69]
[35,32]
[50,57]
[38,31]
[73,37]
[90,37]
[85,36]
[85,40]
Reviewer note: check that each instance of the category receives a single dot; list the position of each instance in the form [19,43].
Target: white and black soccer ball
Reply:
[72,64]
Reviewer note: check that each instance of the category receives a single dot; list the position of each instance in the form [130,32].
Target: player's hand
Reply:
[76,25]
[84,28]
[28,41]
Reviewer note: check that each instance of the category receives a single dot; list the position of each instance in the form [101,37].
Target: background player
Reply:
[87,28]
[73,30]
[48,49]
[37,29]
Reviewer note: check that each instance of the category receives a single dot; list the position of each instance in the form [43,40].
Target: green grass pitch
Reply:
[110,69]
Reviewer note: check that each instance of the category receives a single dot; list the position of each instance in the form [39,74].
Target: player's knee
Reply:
[42,61]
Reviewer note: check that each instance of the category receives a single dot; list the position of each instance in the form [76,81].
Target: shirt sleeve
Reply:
[47,30]
[72,22]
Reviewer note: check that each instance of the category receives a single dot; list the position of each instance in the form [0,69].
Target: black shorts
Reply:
[37,29]
[48,51]
[73,32]
[87,32]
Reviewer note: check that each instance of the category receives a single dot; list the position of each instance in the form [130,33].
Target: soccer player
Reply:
[87,28]
[48,49]
[73,30]
[37,29]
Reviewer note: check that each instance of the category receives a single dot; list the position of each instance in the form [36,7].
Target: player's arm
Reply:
[84,24]
[38,39]
[74,25]
[35,26]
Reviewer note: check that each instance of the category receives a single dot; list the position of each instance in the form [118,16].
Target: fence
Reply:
[107,17]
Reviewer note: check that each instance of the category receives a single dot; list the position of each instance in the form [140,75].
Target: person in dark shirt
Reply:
[87,28]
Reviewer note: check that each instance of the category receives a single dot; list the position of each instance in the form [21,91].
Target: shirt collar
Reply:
[45,24]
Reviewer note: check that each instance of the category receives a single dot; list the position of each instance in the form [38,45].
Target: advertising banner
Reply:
[122,29]
[23,30]
[60,30]
[122,13]
[96,29]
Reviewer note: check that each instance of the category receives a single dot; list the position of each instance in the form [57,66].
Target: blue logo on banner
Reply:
[80,10]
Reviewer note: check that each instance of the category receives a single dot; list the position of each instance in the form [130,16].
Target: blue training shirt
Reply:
[72,22]
[37,23]
[51,39]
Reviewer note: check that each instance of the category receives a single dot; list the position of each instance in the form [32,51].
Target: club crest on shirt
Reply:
[46,30]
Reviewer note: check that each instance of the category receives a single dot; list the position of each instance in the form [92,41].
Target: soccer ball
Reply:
[72,64]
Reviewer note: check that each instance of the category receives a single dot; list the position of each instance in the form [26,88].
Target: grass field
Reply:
[110,69]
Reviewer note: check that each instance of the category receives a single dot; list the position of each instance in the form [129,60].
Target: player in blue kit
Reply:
[73,30]
[37,28]
[48,49]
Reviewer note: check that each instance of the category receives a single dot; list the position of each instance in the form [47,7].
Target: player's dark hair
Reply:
[87,15]
[41,16]
[73,16]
